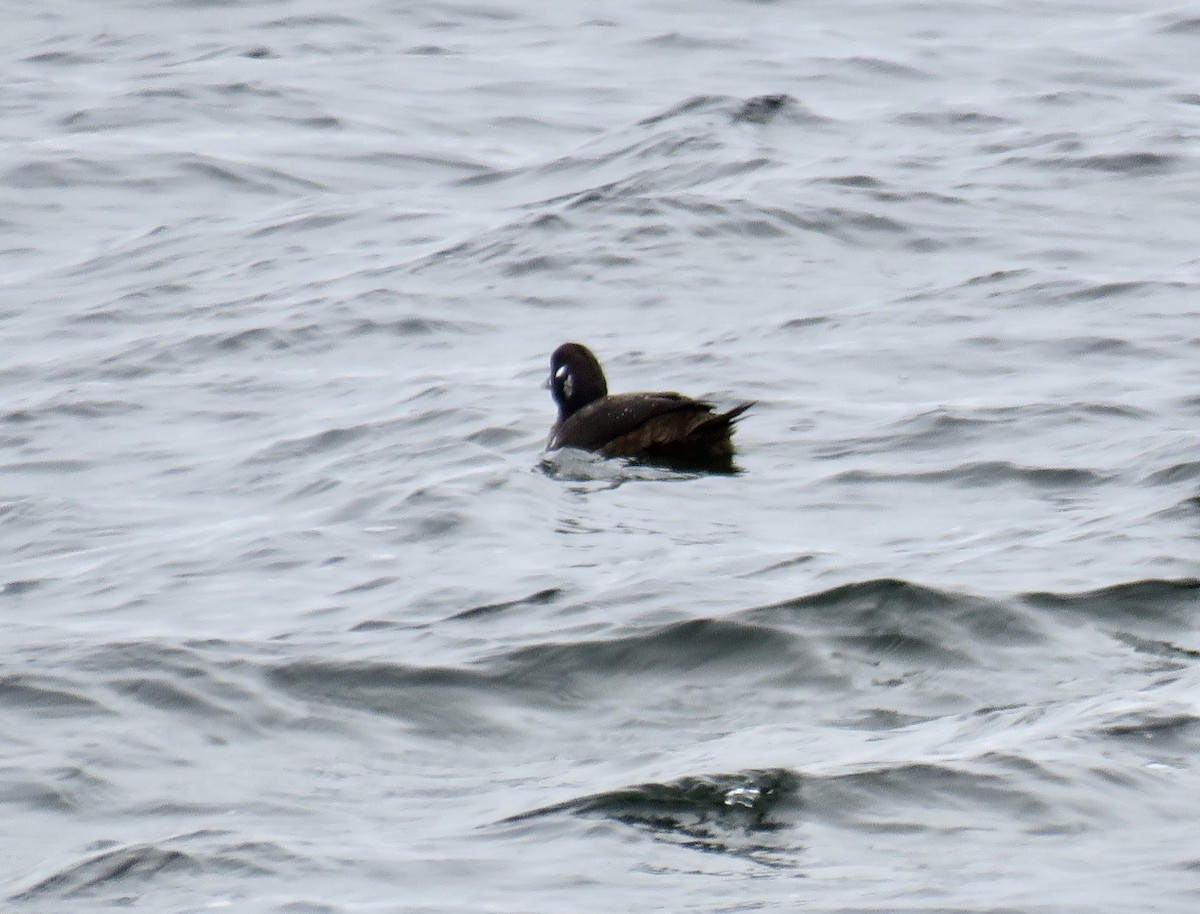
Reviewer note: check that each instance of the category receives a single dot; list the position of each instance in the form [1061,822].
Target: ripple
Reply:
[983,473]
[47,695]
[1186,471]
[330,440]
[542,598]
[245,177]
[1135,164]
[1185,26]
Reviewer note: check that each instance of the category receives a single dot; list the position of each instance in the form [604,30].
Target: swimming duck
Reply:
[661,428]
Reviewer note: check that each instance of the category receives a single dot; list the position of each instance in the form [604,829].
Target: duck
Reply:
[662,428]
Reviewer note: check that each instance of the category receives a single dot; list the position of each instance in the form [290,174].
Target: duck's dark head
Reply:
[576,378]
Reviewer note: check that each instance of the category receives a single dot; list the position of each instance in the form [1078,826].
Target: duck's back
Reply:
[662,425]
[609,418]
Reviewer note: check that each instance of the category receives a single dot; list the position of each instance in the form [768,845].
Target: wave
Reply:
[811,647]
[694,645]
[651,219]
[379,687]
[897,798]
[639,190]
[120,869]
[810,642]
[746,799]
[720,813]
[730,814]
[905,621]
[1153,604]
[470,699]
[126,865]
[946,623]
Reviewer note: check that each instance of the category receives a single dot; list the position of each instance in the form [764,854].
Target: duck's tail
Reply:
[714,435]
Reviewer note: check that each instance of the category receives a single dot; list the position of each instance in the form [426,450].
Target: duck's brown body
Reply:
[666,428]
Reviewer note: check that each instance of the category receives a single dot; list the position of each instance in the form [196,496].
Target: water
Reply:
[297,617]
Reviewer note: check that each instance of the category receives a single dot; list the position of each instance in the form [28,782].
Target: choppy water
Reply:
[296,617]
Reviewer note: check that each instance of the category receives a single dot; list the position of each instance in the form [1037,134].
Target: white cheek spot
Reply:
[563,376]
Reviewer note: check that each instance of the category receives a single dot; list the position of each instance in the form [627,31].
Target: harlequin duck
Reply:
[662,428]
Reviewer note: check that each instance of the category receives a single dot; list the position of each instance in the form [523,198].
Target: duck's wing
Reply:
[628,416]
[682,437]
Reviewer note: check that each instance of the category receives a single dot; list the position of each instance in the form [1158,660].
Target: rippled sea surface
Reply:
[297,616]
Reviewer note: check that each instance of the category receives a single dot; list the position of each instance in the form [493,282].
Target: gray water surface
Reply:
[298,617]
